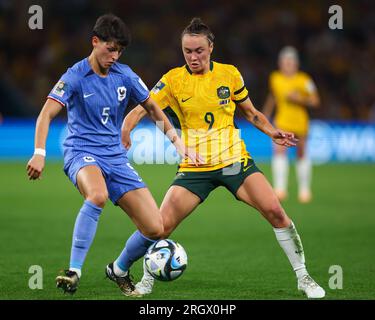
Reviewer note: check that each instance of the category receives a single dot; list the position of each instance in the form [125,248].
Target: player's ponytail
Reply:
[196,27]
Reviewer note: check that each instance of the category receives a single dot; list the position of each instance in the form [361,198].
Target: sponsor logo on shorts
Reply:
[248,167]
[180,175]
[88,159]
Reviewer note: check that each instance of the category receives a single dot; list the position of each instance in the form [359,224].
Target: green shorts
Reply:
[203,182]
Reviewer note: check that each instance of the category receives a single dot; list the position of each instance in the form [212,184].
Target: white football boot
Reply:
[308,286]
[146,284]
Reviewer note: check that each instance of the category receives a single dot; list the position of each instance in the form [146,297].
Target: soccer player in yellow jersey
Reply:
[204,94]
[292,92]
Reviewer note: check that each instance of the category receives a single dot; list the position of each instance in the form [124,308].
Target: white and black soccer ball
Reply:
[166,260]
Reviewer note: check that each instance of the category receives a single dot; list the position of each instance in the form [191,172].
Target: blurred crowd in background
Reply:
[249,34]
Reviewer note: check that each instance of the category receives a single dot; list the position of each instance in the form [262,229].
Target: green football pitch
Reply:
[232,250]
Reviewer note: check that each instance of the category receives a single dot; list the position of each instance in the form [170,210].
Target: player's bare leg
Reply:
[141,207]
[280,171]
[173,211]
[92,186]
[258,193]
[303,172]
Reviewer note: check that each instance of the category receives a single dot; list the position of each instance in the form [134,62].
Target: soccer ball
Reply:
[165,260]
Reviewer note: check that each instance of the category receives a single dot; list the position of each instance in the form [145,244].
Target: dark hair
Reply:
[197,26]
[109,28]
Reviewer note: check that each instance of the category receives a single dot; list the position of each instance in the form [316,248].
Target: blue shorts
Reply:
[120,177]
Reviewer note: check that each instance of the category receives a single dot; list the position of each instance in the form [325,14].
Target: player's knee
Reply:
[167,232]
[276,215]
[169,225]
[99,198]
[168,212]
[155,230]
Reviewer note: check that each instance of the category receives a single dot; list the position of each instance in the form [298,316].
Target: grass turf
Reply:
[232,251]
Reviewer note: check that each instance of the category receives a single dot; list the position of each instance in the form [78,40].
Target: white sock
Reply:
[146,274]
[280,171]
[118,271]
[77,271]
[291,243]
[303,172]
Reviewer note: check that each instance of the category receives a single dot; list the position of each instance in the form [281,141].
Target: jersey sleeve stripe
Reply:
[241,100]
[148,96]
[52,98]
[239,90]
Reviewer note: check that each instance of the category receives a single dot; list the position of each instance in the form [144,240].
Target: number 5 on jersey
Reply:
[105,115]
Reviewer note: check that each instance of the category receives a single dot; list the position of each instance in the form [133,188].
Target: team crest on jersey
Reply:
[59,88]
[121,93]
[223,92]
[160,85]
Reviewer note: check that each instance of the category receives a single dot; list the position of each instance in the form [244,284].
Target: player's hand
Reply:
[125,139]
[194,156]
[186,152]
[35,167]
[283,138]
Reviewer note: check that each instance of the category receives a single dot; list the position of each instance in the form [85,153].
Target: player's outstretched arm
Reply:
[164,125]
[260,121]
[130,122]
[35,165]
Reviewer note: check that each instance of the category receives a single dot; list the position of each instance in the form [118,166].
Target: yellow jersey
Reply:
[204,105]
[290,116]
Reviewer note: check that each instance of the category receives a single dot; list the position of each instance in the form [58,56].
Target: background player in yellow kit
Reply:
[204,95]
[292,92]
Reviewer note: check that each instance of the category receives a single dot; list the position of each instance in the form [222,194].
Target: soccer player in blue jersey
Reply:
[96,92]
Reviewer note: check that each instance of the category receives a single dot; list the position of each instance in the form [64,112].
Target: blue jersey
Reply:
[96,107]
